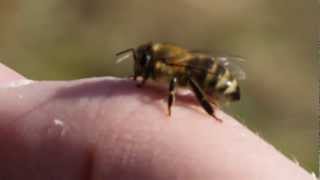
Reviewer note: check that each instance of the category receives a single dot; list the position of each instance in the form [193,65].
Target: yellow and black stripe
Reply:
[214,78]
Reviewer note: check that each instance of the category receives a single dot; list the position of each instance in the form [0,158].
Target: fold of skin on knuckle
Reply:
[118,130]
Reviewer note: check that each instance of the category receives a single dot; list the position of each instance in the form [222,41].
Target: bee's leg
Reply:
[172,94]
[201,97]
[142,82]
[145,75]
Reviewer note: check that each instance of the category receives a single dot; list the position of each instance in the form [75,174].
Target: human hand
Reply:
[106,128]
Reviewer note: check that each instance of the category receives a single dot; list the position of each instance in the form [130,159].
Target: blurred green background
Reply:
[56,39]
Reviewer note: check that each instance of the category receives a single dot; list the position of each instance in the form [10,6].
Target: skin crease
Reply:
[106,128]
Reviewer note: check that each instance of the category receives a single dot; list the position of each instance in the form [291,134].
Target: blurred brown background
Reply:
[58,39]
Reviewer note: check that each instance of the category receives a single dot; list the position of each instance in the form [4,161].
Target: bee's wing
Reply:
[232,64]
[229,62]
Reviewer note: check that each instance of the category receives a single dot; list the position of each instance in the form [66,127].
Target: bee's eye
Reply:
[145,59]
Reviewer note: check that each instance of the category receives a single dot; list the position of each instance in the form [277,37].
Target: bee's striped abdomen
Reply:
[213,76]
[220,82]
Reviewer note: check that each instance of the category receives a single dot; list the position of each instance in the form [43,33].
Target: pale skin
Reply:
[107,128]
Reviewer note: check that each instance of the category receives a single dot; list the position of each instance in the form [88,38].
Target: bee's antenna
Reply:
[126,51]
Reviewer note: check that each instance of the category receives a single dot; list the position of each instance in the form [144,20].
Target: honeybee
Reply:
[213,80]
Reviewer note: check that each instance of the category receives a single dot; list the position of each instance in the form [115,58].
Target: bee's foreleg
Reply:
[141,80]
[141,83]
[172,93]
[202,98]
[146,75]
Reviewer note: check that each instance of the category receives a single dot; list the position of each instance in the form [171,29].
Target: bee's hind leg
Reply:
[172,94]
[202,98]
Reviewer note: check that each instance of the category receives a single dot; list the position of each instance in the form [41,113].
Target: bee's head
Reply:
[142,59]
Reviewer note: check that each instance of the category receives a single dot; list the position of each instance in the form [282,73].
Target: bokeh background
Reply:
[57,39]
